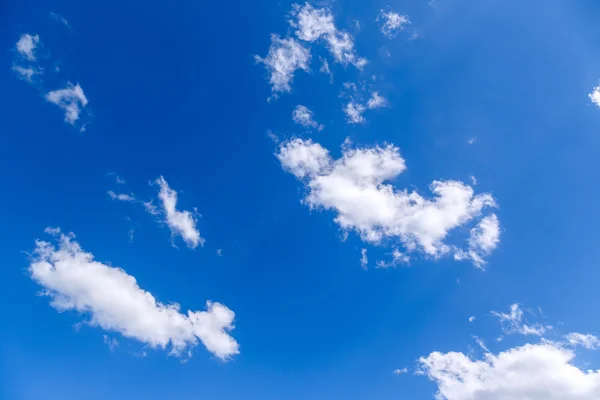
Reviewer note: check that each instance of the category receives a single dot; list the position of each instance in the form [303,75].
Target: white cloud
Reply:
[364,261]
[121,196]
[305,117]
[472,140]
[473,180]
[400,371]
[376,101]
[26,73]
[595,96]
[533,372]
[114,301]
[26,46]
[391,23]
[516,323]
[484,238]
[284,58]
[588,341]
[354,113]
[303,157]
[70,99]
[219,252]
[182,223]
[472,318]
[354,187]
[315,23]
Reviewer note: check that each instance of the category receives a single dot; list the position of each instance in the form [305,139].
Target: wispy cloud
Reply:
[70,99]
[305,117]
[284,58]
[181,223]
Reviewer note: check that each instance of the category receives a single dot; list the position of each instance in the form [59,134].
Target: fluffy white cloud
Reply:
[595,96]
[354,113]
[376,101]
[115,302]
[400,371]
[315,23]
[516,323]
[531,372]
[120,196]
[26,73]
[585,340]
[391,23]
[303,157]
[484,238]
[284,58]
[354,187]
[472,318]
[305,117]
[26,46]
[182,223]
[70,99]
[364,260]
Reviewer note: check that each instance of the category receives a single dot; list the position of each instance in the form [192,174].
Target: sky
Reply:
[279,200]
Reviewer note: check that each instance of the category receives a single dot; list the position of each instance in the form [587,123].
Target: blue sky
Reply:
[159,136]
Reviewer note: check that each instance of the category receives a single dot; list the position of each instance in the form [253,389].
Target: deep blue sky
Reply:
[174,90]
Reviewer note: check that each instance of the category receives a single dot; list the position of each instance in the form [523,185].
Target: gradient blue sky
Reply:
[174,91]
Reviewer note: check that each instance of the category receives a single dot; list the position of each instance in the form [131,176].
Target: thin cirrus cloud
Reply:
[181,223]
[391,23]
[313,24]
[303,116]
[354,187]
[27,73]
[114,301]
[70,99]
[515,322]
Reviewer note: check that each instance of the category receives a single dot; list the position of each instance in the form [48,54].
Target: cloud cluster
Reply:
[313,24]
[71,98]
[114,301]
[354,187]
[305,117]
[542,371]
[356,106]
[391,23]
